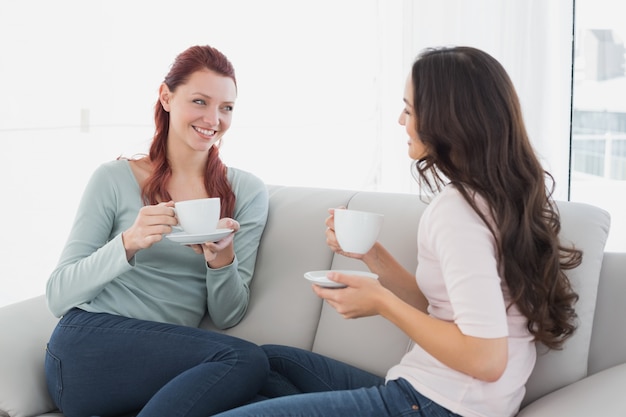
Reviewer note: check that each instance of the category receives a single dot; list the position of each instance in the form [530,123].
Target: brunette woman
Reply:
[490,280]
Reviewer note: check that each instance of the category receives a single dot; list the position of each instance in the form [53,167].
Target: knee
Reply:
[272,351]
[282,352]
[255,360]
[260,357]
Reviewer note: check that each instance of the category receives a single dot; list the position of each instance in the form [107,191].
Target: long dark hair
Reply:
[470,121]
[216,182]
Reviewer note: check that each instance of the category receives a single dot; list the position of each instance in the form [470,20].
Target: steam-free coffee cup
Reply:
[198,216]
[357,231]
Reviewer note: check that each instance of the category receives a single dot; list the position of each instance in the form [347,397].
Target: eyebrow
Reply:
[407,102]
[211,98]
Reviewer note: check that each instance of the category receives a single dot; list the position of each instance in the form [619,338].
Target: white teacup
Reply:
[198,217]
[356,230]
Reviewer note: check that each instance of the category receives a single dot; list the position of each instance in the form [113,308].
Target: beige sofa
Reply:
[587,378]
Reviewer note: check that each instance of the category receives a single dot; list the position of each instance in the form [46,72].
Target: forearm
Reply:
[481,358]
[227,295]
[222,259]
[229,278]
[80,277]
[395,277]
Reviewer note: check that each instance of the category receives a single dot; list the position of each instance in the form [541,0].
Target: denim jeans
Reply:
[305,384]
[106,365]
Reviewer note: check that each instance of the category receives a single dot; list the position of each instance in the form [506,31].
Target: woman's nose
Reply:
[212,116]
[401,118]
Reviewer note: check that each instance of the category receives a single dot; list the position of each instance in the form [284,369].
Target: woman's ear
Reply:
[164,97]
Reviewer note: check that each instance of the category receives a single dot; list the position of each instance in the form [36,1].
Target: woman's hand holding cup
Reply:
[352,233]
[151,224]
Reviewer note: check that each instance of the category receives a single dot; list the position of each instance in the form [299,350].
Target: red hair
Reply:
[216,183]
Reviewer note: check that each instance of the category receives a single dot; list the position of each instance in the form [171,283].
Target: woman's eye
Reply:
[228,108]
[199,101]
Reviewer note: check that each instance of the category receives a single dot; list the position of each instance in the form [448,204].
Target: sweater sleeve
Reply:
[228,288]
[92,256]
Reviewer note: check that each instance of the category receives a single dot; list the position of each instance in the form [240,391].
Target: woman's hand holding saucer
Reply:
[221,253]
[362,296]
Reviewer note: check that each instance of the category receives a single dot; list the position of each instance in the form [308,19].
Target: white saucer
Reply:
[186,239]
[319,277]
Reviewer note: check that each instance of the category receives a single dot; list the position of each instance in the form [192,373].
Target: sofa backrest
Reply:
[587,228]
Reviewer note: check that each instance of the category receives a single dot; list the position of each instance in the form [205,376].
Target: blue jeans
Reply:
[107,365]
[305,384]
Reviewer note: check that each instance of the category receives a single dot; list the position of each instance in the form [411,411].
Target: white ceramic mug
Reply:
[356,230]
[198,216]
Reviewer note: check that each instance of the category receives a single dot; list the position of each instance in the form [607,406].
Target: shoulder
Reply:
[113,176]
[450,209]
[448,200]
[250,191]
[141,168]
[111,170]
[451,221]
[115,167]
[244,181]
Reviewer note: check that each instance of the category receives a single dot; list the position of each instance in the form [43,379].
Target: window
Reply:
[599,113]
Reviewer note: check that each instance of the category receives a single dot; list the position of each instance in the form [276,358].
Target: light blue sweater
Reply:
[167,282]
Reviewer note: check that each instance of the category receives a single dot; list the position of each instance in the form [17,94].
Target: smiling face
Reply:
[200,110]
[408,119]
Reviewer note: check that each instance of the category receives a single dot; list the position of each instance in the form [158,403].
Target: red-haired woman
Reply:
[129,299]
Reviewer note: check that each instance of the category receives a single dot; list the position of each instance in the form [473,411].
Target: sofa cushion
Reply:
[25,392]
[587,227]
[598,395]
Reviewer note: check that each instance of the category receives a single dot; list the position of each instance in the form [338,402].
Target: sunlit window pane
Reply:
[599,113]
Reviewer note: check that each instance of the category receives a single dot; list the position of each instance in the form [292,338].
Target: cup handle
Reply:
[178,227]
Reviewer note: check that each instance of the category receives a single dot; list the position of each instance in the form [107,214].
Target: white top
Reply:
[458,273]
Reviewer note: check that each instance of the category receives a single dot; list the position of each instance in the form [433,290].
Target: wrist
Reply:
[130,252]
[371,258]
[218,264]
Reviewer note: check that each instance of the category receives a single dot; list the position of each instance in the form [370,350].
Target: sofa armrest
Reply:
[26,327]
[599,394]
